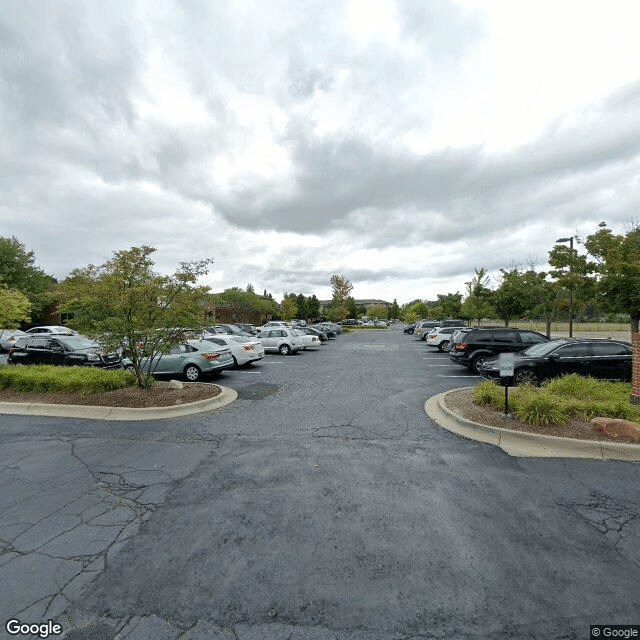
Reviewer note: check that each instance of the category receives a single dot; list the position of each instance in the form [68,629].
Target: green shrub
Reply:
[560,399]
[488,392]
[46,379]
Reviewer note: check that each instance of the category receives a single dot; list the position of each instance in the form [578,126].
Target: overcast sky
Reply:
[399,143]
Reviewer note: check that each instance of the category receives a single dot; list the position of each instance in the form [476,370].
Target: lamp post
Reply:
[570,241]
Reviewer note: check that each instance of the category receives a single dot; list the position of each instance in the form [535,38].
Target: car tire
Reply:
[130,368]
[192,373]
[477,363]
[284,349]
[444,346]
[525,376]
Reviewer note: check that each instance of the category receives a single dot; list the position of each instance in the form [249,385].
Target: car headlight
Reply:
[93,357]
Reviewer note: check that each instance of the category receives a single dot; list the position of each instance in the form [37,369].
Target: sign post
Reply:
[506,363]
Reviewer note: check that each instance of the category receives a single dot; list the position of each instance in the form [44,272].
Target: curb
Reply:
[522,444]
[225,397]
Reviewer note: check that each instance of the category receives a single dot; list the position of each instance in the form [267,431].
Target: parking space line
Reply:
[439,376]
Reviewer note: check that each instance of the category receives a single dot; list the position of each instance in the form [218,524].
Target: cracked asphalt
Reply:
[321,504]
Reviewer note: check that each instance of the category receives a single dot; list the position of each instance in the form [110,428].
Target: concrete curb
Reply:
[119,413]
[521,444]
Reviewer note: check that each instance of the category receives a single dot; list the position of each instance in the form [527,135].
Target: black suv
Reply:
[478,345]
[63,350]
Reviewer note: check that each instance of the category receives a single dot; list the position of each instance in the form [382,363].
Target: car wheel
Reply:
[191,373]
[444,346]
[130,368]
[525,376]
[284,349]
[477,363]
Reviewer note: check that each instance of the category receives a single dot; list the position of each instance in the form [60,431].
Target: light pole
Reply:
[570,241]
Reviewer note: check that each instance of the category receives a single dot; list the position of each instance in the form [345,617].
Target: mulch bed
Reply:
[462,403]
[157,395]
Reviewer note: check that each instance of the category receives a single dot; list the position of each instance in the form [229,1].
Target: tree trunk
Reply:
[635,318]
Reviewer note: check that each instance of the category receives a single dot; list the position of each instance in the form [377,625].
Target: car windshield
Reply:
[543,348]
[77,342]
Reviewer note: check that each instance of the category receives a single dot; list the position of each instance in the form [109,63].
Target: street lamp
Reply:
[570,241]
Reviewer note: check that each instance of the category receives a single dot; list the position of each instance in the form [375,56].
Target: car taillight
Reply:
[433,335]
[210,356]
[248,347]
[461,346]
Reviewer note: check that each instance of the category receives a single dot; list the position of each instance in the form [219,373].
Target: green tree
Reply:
[514,297]
[336,313]
[14,308]
[394,310]
[449,305]
[288,307]
[125,302]
[313,307]
[352,307]
[617,266]
[341,288]
[18,272]
[380,312]
[478,303]
[302,311]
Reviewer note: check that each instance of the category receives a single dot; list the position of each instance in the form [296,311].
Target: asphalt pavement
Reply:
[322,503]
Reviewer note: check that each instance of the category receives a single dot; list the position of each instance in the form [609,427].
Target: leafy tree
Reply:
[250,288]
[288,307]
[394,310]
[573,273]
[514,297]
[18,272]
[478,303]
[125,302]
[617,265]
[14,308]
[379,311]
[449,305]
[313,307]
[336,313]
[302,311]
[352,307]
[342,288]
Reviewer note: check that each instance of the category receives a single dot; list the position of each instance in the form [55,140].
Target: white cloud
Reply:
[404,143]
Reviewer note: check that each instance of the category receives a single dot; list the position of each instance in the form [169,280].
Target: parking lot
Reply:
[321,504]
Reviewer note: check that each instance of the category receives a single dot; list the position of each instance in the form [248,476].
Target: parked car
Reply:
[349,322]
[62,350]
[243,349]
[423,327]
[329,331]
[297,322]
[247,328]
[282,339]
[479,345]
[331,325]
[439,337]
[308,340]
[8,338]
[225,329]
[601,358]
[314,332]
[410,328]
[192,359]
[273,324]
[52,329]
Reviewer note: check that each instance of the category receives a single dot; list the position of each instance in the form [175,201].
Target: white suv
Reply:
[281,339]
[440,336]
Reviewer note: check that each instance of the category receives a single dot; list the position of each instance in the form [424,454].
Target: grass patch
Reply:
[559,400]
[47,379]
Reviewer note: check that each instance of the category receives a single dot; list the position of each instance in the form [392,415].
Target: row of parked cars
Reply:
[217,347]
[536,357]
